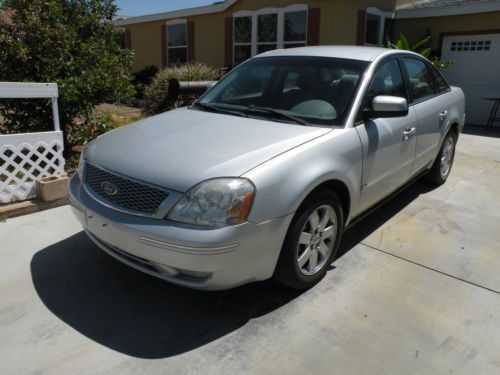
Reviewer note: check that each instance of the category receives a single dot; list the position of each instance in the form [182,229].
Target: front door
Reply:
[388,143]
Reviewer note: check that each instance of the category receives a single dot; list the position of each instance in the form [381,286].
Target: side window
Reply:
[419,75]
[440,83]
[387,80]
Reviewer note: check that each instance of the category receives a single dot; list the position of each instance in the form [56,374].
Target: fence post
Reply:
[55,113]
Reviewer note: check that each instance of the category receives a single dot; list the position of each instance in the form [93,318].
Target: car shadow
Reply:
[375,219]
[145,317]
[137,314]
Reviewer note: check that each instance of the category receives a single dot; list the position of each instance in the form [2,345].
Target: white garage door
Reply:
[476,70]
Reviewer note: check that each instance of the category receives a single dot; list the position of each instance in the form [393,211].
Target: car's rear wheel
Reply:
[441,168]
[311,242]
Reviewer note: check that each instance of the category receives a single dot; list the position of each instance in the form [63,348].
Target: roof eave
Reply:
[452,10]
[182,13]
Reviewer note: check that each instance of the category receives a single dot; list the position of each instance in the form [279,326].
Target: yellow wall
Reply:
[209,39]
[146,44]
[416,28]
[338,26]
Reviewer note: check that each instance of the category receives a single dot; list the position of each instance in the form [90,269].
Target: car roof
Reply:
[343,52]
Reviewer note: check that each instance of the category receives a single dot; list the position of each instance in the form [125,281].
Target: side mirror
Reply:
[387,106]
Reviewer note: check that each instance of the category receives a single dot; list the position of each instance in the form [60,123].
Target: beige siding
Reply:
[338,26]
[146,44]
[209,42]
[416,28]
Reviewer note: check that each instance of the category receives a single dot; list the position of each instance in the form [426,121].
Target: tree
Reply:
[70,42]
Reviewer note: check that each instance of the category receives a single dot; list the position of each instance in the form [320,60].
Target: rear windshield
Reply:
[316,90]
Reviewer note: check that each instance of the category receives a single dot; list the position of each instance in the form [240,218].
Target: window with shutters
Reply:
[177,42]
[256,32]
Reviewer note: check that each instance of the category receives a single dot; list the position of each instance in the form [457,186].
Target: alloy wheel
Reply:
[447,156]
[317,240]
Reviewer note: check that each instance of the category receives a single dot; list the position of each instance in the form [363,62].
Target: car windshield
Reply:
[296,89]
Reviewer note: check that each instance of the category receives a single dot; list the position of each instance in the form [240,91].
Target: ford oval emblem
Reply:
[109,188]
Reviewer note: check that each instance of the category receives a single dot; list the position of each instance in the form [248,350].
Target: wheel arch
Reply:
[455,128]
[341,189]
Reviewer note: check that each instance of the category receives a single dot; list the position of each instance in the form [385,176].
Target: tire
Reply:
[296,266]
[441,168]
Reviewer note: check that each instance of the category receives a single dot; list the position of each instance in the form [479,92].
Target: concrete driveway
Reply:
[416,291]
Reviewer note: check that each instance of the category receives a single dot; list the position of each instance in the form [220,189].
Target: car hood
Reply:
[181,148]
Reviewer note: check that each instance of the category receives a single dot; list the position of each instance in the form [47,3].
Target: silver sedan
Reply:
[261,176]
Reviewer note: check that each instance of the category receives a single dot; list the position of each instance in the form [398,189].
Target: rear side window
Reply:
[440,84]
[421,81]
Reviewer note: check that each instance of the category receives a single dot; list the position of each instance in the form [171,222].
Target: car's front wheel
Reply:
[442,165]
[311,241]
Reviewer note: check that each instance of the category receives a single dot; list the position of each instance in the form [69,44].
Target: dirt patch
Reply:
[121,110]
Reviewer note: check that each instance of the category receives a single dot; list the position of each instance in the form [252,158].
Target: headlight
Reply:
[215,203]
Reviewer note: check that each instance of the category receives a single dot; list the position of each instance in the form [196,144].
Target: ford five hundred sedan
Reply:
[260,177]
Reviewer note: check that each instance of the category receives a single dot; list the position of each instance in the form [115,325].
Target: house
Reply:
[227,33]
[468,34]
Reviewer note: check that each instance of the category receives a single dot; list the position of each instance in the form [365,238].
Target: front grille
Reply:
[128,194]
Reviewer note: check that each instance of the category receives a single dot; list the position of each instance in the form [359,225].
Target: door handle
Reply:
[409,132]
[442,117]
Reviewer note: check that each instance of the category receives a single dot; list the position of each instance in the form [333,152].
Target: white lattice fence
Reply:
[26,157]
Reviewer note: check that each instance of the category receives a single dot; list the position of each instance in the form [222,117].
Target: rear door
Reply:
[388,143]
[428,98]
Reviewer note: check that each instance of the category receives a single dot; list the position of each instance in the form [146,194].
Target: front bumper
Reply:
[190,256]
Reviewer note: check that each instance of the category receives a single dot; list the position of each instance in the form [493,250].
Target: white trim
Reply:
[280,32]
[269,10]
[381,27]
[24,90]
[177,21]
[208,9]
[451,10]
[21,90]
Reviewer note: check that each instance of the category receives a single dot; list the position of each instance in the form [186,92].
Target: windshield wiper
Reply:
[214,108]
[280,113]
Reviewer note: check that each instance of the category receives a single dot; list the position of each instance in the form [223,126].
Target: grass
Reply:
[117,119]
[119,115]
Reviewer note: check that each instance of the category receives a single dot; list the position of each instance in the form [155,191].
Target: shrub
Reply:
[94,125]
[71,42]
[142,79]
[156,95]
[91,127]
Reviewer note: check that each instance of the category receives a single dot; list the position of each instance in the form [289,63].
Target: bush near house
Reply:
[142,79]
[72,43]
[156,99]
